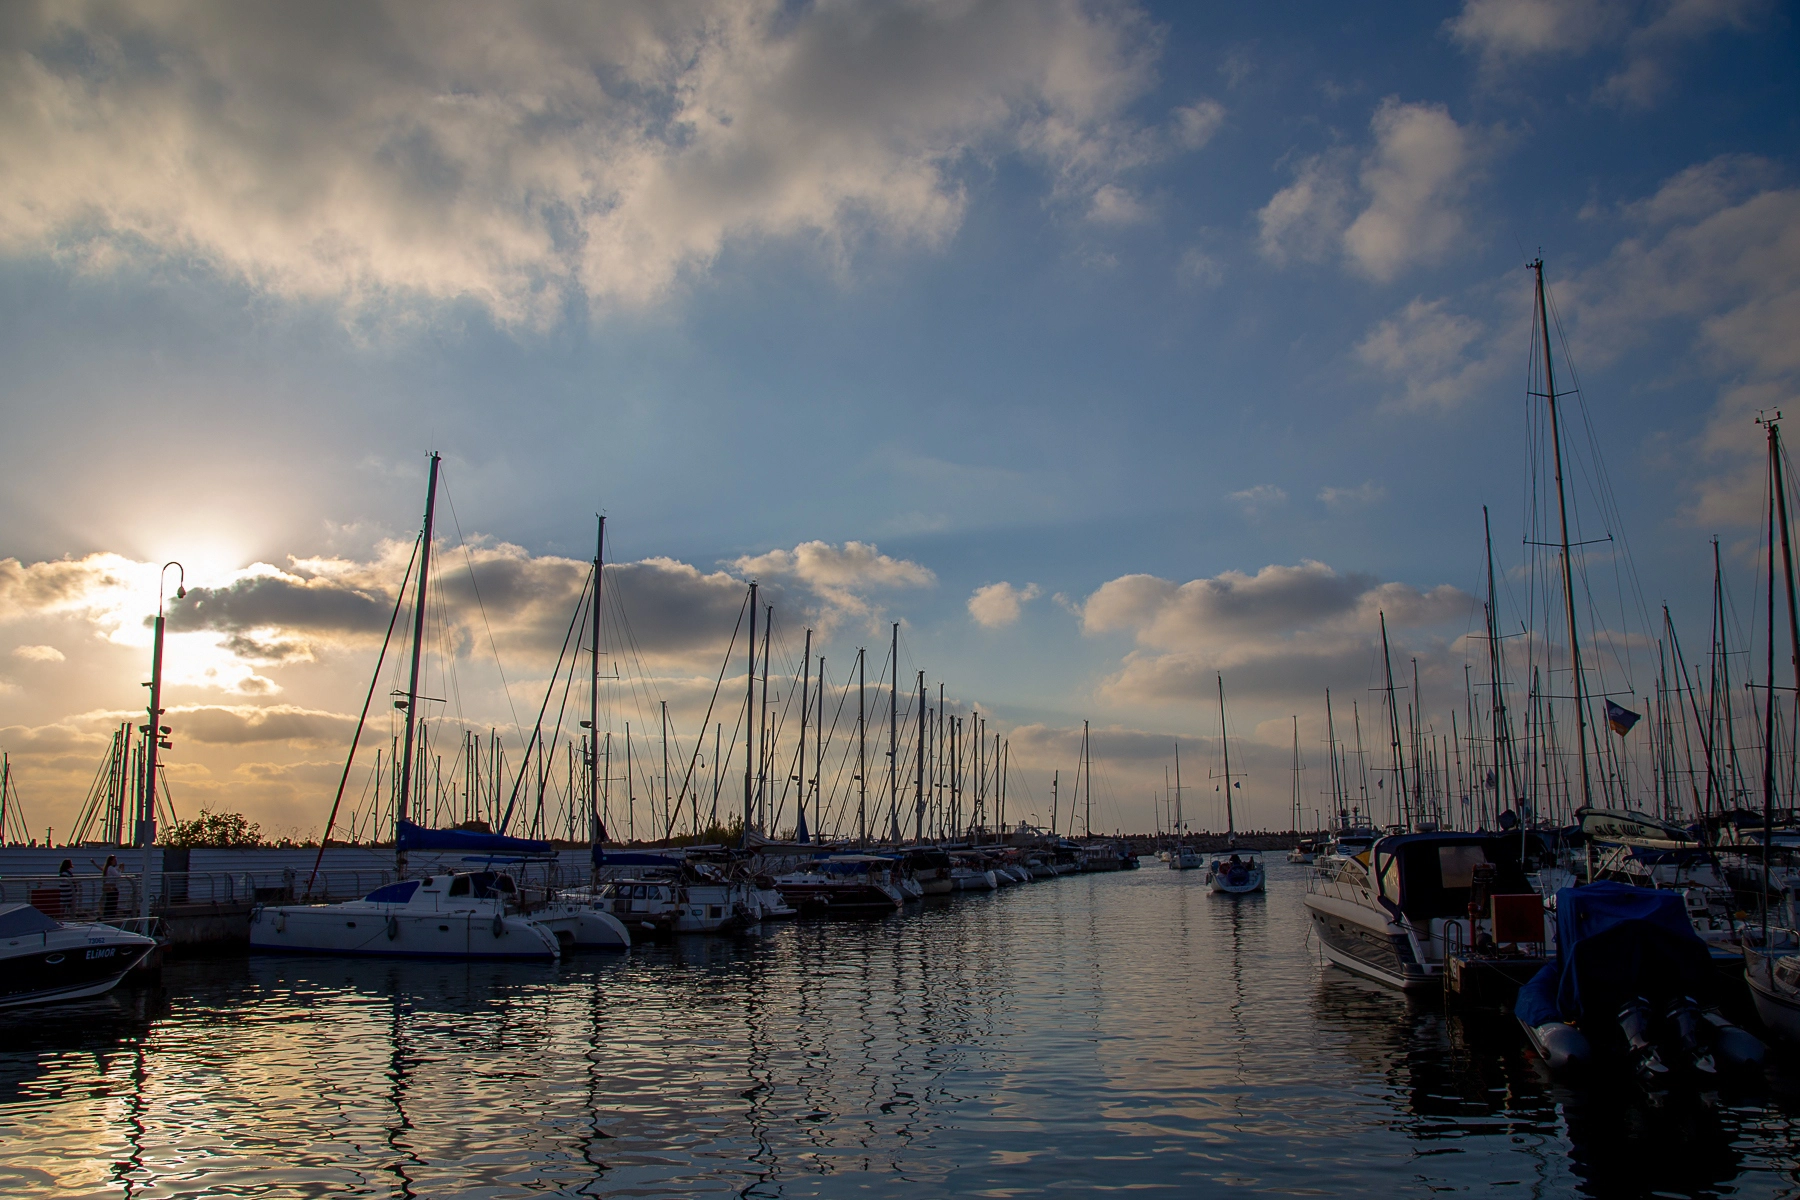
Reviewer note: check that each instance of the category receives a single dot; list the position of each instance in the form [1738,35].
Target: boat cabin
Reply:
[1432,875]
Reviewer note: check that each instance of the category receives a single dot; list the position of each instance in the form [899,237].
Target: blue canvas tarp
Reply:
[635,858]
[466,841]
[1613,942]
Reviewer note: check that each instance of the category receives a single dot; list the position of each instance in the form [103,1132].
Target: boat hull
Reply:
[1779,1012]
[1358,940]
[376,931]
[577,927]
[65,967]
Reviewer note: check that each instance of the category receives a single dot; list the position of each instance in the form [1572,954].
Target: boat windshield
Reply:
[1435,878]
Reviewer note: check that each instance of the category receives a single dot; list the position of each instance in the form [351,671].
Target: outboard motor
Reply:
[1684,1014]
[1634,1023]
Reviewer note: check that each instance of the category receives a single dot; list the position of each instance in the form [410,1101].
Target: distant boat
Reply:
[1182,857]
[843,883]
[46,961]
[1241,873]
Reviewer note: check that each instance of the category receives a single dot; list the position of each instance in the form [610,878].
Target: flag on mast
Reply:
[1621,718]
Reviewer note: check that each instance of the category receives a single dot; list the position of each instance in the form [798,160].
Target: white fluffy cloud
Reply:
[1361,496]
[1438,357]
[39,653]
[519,156]
[1404,209]
[1259,501]
[1282,630]
[840,576]
[1646,32]
[997,605]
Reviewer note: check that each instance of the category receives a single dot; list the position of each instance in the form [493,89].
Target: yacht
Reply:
[968,873]
[843,883]
[1394,911]
[44,961]
[1303,853]
[465,914]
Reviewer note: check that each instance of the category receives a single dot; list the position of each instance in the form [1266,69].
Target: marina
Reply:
[1024,1040]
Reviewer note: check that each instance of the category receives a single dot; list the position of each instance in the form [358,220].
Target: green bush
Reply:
[216,831]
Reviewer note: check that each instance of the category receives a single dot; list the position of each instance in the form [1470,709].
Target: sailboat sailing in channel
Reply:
[1183,857]
[1241,872]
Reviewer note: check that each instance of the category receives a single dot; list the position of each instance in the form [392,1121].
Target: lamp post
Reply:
[153,736]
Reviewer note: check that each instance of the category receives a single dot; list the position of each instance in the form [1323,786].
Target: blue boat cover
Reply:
[1615,941]
[394,893]
[417,837]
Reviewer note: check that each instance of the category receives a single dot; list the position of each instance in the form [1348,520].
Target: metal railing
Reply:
[113,901]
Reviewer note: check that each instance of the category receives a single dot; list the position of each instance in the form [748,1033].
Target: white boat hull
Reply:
[1355,938]
[367,930]
[582,927]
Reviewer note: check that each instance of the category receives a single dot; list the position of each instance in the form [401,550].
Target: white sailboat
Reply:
[1242,872]
[1182,857]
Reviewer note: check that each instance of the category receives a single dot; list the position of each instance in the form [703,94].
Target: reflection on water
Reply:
[1093,1032]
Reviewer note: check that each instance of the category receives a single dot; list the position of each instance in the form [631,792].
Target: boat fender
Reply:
[499,925]
[280,921]
[393,927]
[1564,1045]
[1734,1045]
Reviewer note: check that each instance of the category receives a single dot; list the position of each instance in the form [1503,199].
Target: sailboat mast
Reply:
[1296,772]
[1562,514]
[862,748]
[762,727]
[1387,660]
[805,712]
[1339,788]
[1087,779]
[919,771]
[1180,827]
[1225,749]
[894,735]
[749,716]
[596,828]
[402,806]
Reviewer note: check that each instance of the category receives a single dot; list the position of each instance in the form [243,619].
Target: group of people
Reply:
[110,875]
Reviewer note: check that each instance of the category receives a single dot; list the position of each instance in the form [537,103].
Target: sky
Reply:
[1110,348]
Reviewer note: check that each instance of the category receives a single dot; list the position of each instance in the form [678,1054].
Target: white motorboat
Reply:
[1239,875]
[844,883]
[1304,852]
[1184,858]
[968,873]
[666,906]
[1394,912]
[44,961]
[467,914]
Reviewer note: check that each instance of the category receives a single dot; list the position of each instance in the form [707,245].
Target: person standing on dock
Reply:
[109,886]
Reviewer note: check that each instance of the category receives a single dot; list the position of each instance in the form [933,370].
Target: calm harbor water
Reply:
[1097,1033]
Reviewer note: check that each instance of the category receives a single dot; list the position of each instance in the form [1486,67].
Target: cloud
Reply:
[997,605]
[839,576]
[241,724]
[1427,349]
[1260,500]
[1113,205]
[1410,186]
[38,653]
[524,157]
[1647,34]
[1283,629]
[1361,496]
[1195,124]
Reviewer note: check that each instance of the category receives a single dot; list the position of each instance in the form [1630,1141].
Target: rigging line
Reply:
[581,612]
[538,729]
[374,679]
[688,777]
[475,586]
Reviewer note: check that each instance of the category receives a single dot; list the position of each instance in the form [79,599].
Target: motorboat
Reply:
[666,906]
[1631,982]
[1396,911]
[46,961]
[843,883]
[968,873]
[767,902]
[464,914]
[1239,875]
[1304,852]
[932,869]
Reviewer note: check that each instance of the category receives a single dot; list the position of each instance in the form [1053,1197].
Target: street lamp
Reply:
[153,739]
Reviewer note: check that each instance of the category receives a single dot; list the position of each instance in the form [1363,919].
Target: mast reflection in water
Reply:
[1085,1033]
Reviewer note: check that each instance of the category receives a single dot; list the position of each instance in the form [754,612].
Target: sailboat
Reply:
[1182,857]
[474,913]
[1242,873]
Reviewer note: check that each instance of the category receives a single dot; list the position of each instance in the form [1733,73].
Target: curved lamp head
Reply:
[180,583]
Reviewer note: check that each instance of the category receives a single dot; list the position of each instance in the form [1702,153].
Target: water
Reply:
[1098,1033]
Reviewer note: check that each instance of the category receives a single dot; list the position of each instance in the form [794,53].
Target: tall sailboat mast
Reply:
[750,716]
[596,827]
[1180,827]
[1387,660]
[402,802]
[862,749]
[894,736]
[1225,749]
[1562,514]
